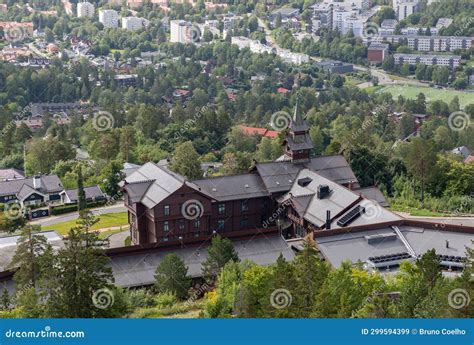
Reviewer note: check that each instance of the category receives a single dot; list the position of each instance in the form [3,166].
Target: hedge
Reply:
[62,209]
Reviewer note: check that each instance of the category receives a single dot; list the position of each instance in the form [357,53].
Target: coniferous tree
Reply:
[171,276]
[311,273]
[81,194]
[5,300]
[80,285]
[220,252]
[112,175]
[28,257]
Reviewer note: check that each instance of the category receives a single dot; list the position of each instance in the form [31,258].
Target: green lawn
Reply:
[431,94]
[106,221]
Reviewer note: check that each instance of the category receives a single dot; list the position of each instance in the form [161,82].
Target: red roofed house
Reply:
[178,93]
[259,131]
[282,90]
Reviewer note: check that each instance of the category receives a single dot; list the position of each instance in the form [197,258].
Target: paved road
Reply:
[72,216]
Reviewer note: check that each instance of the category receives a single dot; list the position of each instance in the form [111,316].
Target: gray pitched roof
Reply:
[136,190]
[26,191]
[91,193]
[340,201]
[129,168]
[139,269]
[49,184]
[305,144]
[11,174]
[224,188]
[373,193]
[164,183]
[279,176]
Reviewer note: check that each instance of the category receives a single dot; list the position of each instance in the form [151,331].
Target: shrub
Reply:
[165,300]
[140,299]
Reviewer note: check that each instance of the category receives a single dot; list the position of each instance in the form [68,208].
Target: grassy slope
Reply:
[106,221]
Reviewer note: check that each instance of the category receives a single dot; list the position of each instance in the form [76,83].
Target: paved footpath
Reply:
[466,221]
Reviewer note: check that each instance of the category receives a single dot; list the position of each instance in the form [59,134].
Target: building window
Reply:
[221,208]
[244,206]
[197,223]
[166,226]
[196,234]
[165,239]
[220,224]
[166,210]
[181,224]
[244,223]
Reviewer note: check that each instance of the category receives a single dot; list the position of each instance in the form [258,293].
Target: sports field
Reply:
[431,94]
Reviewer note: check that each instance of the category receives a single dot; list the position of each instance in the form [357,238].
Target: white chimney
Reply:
[37,182]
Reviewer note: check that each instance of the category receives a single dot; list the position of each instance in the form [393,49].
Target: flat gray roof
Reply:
[354,247]
[139,269]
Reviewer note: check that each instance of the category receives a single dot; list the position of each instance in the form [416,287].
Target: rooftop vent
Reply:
[246,186]
[379,238]
[214,189]
[350,216]
[323,191]
[303,182]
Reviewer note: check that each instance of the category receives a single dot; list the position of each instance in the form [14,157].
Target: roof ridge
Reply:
[142,181]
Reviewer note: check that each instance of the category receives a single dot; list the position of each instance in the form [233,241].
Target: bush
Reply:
[140,299]
[165,300]
[62,209]
[12,314]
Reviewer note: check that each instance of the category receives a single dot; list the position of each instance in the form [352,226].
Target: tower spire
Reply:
[298,144]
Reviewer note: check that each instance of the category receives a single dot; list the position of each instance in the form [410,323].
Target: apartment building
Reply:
[133,23]
[181,31]
[109,18]
[323,13]
[85,10]
[451,61]
[404,8]
[428,43]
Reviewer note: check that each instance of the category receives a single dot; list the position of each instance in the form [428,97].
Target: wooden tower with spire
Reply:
[298,144]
